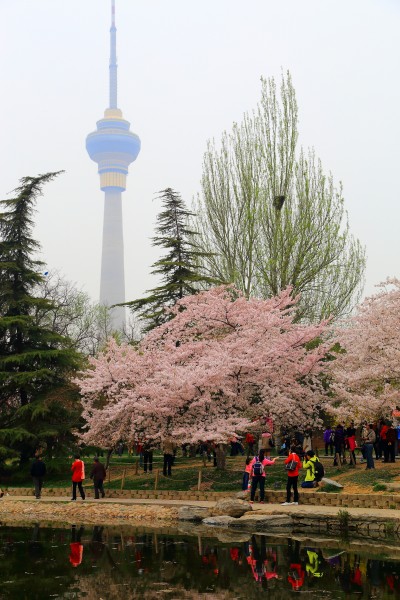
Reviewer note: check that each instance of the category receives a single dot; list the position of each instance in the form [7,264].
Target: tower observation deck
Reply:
[113,147]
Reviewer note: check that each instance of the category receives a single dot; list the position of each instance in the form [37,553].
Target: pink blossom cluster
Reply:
[366,376]
[220,364]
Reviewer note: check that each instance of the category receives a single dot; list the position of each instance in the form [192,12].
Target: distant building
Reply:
[113,147]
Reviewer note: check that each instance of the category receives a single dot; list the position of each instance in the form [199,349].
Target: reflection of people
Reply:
[97,545]
[296,573]
[98,474]
[312,567]
[258,561]
[38,471]
[78,475]
[76,547]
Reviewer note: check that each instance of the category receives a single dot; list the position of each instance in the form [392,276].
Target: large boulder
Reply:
[193,513]
[232,507]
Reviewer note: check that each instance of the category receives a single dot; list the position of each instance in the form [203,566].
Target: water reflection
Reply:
[100,562]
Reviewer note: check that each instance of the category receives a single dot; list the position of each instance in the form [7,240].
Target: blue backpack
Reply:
[258,467]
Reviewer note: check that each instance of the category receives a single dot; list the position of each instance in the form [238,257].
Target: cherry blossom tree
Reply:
[366,376]
[222,362]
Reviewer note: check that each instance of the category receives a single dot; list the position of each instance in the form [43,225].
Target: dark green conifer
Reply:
[35,362]
[178,269]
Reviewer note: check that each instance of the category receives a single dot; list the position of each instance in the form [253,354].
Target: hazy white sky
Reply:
[187,70]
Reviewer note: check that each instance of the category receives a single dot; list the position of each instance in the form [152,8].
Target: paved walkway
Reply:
[264,509]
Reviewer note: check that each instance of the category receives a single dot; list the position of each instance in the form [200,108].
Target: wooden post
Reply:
[137,467]
[156,480]
[199,481]
[123,479]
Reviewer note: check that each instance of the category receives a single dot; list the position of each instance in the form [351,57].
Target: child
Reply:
[246,474]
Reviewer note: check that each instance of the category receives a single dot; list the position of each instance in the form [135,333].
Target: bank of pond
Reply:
[39,562]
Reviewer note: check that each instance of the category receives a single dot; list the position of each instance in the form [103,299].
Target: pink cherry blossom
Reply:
[209,373]
[367,376]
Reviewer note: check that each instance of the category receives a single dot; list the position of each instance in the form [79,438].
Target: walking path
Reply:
[264,509]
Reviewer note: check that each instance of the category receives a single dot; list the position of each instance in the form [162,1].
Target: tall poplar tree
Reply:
[268,217]
[178,269]
[36,398]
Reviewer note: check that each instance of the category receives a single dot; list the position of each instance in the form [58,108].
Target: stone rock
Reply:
[265,523]
[243,495]
[231,507]
[222,521]
[193,513]
[227,536]
[331,482]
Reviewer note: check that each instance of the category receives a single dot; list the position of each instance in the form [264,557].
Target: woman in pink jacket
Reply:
[78,475]
[258,465]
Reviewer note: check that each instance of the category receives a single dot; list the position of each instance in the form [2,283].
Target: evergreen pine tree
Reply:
[178,269]
[35,362]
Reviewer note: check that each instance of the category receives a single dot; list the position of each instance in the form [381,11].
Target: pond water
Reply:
[109,563]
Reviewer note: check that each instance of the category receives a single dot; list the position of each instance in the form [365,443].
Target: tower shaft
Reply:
[112,284]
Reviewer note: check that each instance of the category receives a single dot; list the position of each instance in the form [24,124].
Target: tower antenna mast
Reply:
[113,59]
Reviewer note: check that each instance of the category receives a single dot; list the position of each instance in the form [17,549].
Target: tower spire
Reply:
[113,59]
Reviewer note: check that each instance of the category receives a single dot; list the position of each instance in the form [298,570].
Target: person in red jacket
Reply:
[293,476]
[78,475]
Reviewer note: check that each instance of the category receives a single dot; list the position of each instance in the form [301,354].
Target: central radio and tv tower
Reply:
[113,147]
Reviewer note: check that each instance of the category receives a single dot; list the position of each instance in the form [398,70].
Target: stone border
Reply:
[310,497]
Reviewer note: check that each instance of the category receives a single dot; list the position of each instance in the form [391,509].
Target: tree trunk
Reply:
[108,458]
[220,452]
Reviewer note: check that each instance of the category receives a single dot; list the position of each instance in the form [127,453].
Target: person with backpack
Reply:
[292,464]
[315,470]
[258,465]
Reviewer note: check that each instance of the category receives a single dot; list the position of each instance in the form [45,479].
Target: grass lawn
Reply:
[185,474]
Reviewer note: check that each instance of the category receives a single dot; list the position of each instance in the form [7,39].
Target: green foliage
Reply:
[343,516]
[269,217]
[330,489]
[379,487]
[35,362]
[178,270]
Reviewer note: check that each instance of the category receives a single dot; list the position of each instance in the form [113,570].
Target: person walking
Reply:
[38,471]
[78,475]
[391,437]
[351,440]
[328,440]
[338,441]
[168,448]
[383,429]
[147,451]
[369,446]
[258,465]
[98,474]
[293,464]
